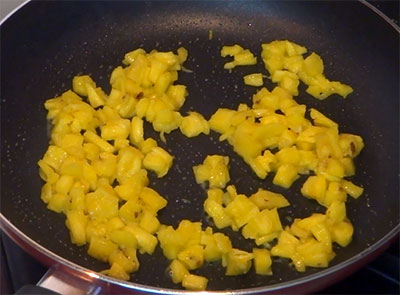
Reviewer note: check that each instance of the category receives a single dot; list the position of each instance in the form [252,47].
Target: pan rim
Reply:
[10,229]
[13,231]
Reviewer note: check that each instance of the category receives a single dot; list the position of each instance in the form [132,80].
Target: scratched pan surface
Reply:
[45,44]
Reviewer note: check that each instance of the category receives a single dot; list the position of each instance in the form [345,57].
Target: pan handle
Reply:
[59,280]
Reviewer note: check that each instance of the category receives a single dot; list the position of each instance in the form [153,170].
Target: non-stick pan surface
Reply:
[45,44]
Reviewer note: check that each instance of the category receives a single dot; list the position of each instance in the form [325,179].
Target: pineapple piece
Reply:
[152,200]
[80,84]
[115,129]
[177,95]
[166,120]
[262,261]
[136,132]
[287,80]
[146,241]
[253,79]
[241,210]
[286,246]
[147,145]
[238,262]
[194,282]
[220,121]
[101,204]
[342,233]
[59,203]
[353,190]
[217,213]
[158,160]
[101,248]
[194,124]
[214,170]
[92,137]
[177,271]
[192,257]
[149,222]
[265,199]
[286,175]
[123,238]
[118,272]
[76,222]
[315,188]
[118,257]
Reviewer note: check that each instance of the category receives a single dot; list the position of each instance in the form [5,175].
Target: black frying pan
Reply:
[44,44]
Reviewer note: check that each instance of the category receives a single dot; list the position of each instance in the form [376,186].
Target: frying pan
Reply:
[45,44]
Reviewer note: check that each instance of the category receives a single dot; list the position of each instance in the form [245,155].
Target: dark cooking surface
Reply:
[87,49]
[381,275]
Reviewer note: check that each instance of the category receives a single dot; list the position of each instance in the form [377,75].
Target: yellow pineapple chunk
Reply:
[158,160]
[253,79]
[315,187]
[194,282]
[262,261]
[214,170]
[177,271]
[265,199]
[285,175]
[238,262]
[192,257]
[241,210]
[101,248]
[194,124]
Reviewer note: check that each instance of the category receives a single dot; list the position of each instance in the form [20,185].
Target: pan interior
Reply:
[45,44]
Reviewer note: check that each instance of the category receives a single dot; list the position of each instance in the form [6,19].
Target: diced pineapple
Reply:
[76,222]
[217,213]
[315,187]
[118,272]
[149,222]
[101,248]
[166,120]
[286,80]
[238,262]
[253,79]
[54,157]
[92,137]
[158,160]
[105,165]
[96,96]
[342,233]
[115,129]
[118,257]
[146,241]
[136,131]
[285,175]
[152,200]
[334,193]
[265,199]
[353,190]
[123,238]
[58,203]
[214,170]
[177,95]
[129,163]
[194,124]
[80,83]
[231,50]
[101,204]
[192,257]
[241,210]
[194,282]
[262,261]
[177,271]
[286,246]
